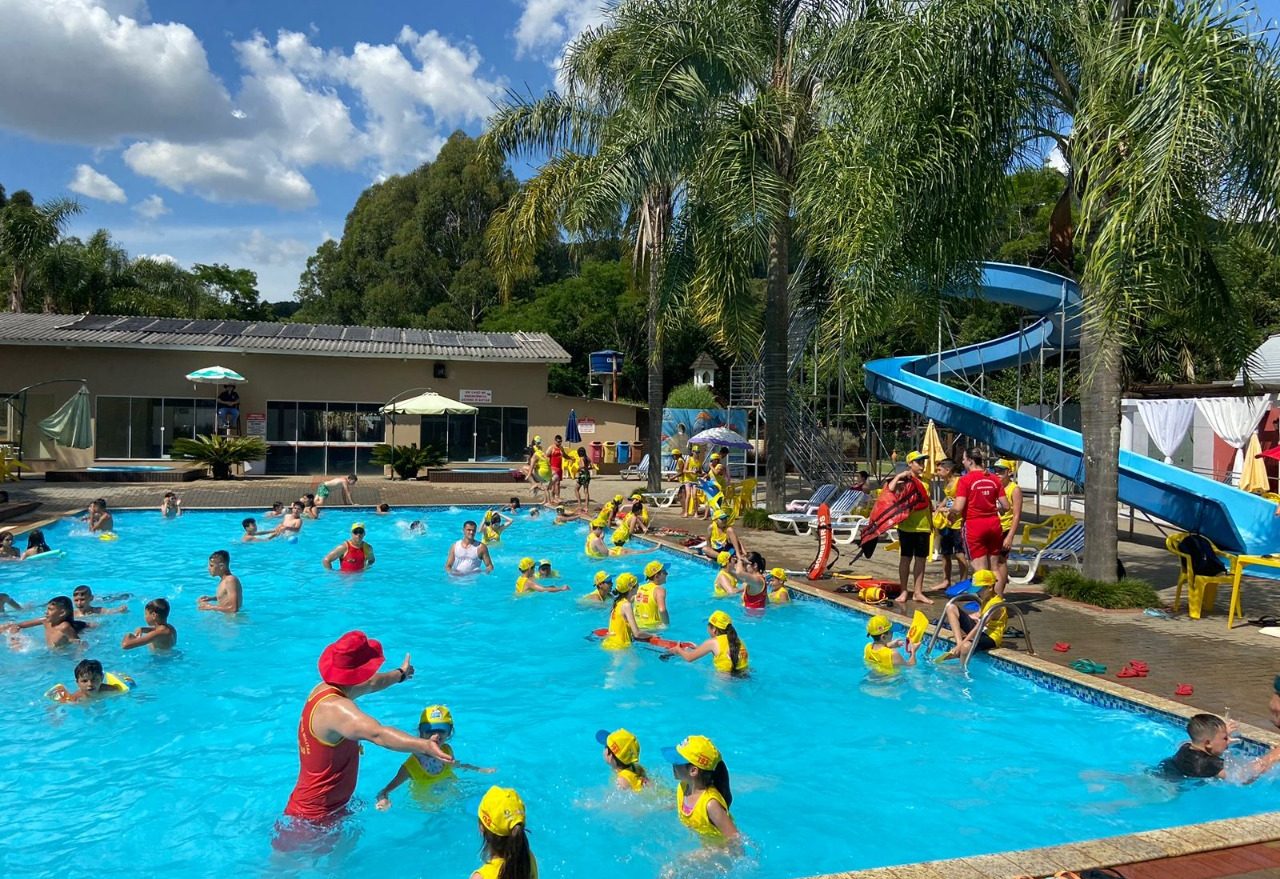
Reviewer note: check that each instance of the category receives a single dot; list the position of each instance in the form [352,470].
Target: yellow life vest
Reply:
[719,538]
[1006,518]
[879,659]
[998,622]
[523,584]
[949,492]
[689,469]
[493,868]
[697,819]
[723,662]
[621,534]
[592,553]
[619,637]
[781,595]
[424,769]
[646,607]
[491,535]
[720,591]
[633,778]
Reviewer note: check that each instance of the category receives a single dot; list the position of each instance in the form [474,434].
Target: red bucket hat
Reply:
[350,660]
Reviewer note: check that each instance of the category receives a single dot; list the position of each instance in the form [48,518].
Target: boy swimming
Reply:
[157,633]
[91,683]
[82,598]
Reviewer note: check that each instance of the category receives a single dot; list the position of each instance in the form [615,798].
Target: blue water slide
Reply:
[1234,520]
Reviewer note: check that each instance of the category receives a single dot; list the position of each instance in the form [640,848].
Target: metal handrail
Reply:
[982,624]
[937,627]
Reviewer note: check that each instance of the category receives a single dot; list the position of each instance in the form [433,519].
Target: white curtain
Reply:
[1234,419]
[1167,423]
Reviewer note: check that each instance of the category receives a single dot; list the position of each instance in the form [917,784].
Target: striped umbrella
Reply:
[215,375]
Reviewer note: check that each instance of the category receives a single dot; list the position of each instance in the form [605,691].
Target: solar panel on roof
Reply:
[327,332]
[417,337]
[91,322]
[296,331]
[386,334]
[168,325]
[134,324]
[440,338]
[503,340]
[201,326]
[263,331]
[233,327]
[358,334]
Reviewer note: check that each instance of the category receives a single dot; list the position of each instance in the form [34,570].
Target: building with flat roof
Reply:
[312,391]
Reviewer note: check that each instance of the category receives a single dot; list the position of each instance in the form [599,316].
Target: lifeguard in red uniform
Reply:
[332,727]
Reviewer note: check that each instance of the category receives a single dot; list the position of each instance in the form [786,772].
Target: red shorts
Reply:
[983,536]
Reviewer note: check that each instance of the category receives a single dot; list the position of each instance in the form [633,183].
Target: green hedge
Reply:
[1070,583]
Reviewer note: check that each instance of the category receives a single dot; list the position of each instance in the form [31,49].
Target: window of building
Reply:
[494,433]
[145,427]
[325,437]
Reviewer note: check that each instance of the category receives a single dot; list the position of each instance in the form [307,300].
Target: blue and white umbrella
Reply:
[215,375]
[720,436]
[571,434]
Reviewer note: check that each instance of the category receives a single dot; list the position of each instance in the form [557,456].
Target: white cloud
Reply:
[74,71]
[263,249]
[94,184]
[158,257]
[1056,160]
[234,171]
[546,26]
[151,208]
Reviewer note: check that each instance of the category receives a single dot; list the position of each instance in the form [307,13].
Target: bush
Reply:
[220,453]
[1128,592]
[406,461]
[689,396]
[757,518]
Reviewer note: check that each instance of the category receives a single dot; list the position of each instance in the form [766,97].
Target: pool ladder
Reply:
[982,624]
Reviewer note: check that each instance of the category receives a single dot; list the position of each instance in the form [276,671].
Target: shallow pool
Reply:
[187,776]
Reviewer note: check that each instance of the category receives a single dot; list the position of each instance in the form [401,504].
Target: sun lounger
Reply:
[810,504]
[1066,548]
[637,471]
[840,509]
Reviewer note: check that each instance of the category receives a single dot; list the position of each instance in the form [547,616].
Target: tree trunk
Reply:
[773,361]
[653,437]
[17,289]
[1100,364]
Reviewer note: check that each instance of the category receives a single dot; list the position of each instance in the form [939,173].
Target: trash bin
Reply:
[610,452]
[624,452]
[597,452]
[637,451]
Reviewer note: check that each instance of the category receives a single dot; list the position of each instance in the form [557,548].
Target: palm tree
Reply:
[608,165]
[27,233]
[1164,110]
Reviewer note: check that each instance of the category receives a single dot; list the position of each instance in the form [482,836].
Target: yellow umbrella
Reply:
[932,446]
[1253,476]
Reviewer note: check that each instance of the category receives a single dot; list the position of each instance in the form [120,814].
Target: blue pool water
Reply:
[129,468]
[187,776]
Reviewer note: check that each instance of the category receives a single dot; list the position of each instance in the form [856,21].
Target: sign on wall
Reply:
[475,396]
[586,425]
[255,424]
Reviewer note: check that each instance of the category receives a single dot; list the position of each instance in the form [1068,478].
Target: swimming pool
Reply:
[189,773]
[129,468]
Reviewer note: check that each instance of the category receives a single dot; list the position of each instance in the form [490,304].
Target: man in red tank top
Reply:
[332,727]
[976,496]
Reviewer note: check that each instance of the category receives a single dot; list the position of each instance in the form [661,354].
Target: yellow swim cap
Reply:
[653,569]
[357,526]
[526,564]
[778,573]
[621,743]
[501,809]
[617,498]
[715,456]
[698,750]
[878,625]
[436,715]
[1006,464]
[602,577]
[720,620]
[724,558]
[537,440]
[984,579]
[625,583]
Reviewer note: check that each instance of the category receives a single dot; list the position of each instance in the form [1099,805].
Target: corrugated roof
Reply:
[250,337]
[1263,365]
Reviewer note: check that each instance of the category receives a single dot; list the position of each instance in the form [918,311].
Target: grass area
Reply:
[1129,592]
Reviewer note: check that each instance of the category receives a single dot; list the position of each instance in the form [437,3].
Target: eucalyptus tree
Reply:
[607,162]
[28,233]
[1167,113]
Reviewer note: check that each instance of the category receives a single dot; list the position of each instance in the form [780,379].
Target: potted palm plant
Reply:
[220,453]
[406,461]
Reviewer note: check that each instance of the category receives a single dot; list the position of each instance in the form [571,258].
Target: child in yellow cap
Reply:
[651,598]
[964,623]
[527,582]
[603,583]
[777,583]
[703,796]
[728,652]
[881,655]
[725,584]
[423,770]
[622,755]
[623,628]
[501,815]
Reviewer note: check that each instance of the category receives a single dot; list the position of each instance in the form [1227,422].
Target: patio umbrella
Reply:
[215,375]
[720,436]
[932,446]
[571,433]
[429,403]
[1254,476]
[71,425]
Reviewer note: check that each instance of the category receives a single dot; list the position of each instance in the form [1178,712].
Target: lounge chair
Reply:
[810,504]
[662,498]
[841,509]
[1053,526]
[1066,548]
[848,529]
[638,471]
[1216,569]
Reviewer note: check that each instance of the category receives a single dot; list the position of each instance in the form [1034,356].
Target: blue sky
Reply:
[242,131]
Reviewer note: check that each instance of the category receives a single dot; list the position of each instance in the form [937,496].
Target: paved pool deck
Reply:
[1227,669]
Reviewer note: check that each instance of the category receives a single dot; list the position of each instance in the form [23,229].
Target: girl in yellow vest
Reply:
[527,582]
[703,796]
[729,654]
[689,475]
[501,815]
[726,583]
[881,655]
[623,628]
[964,624]
[622,755]
[423,770]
